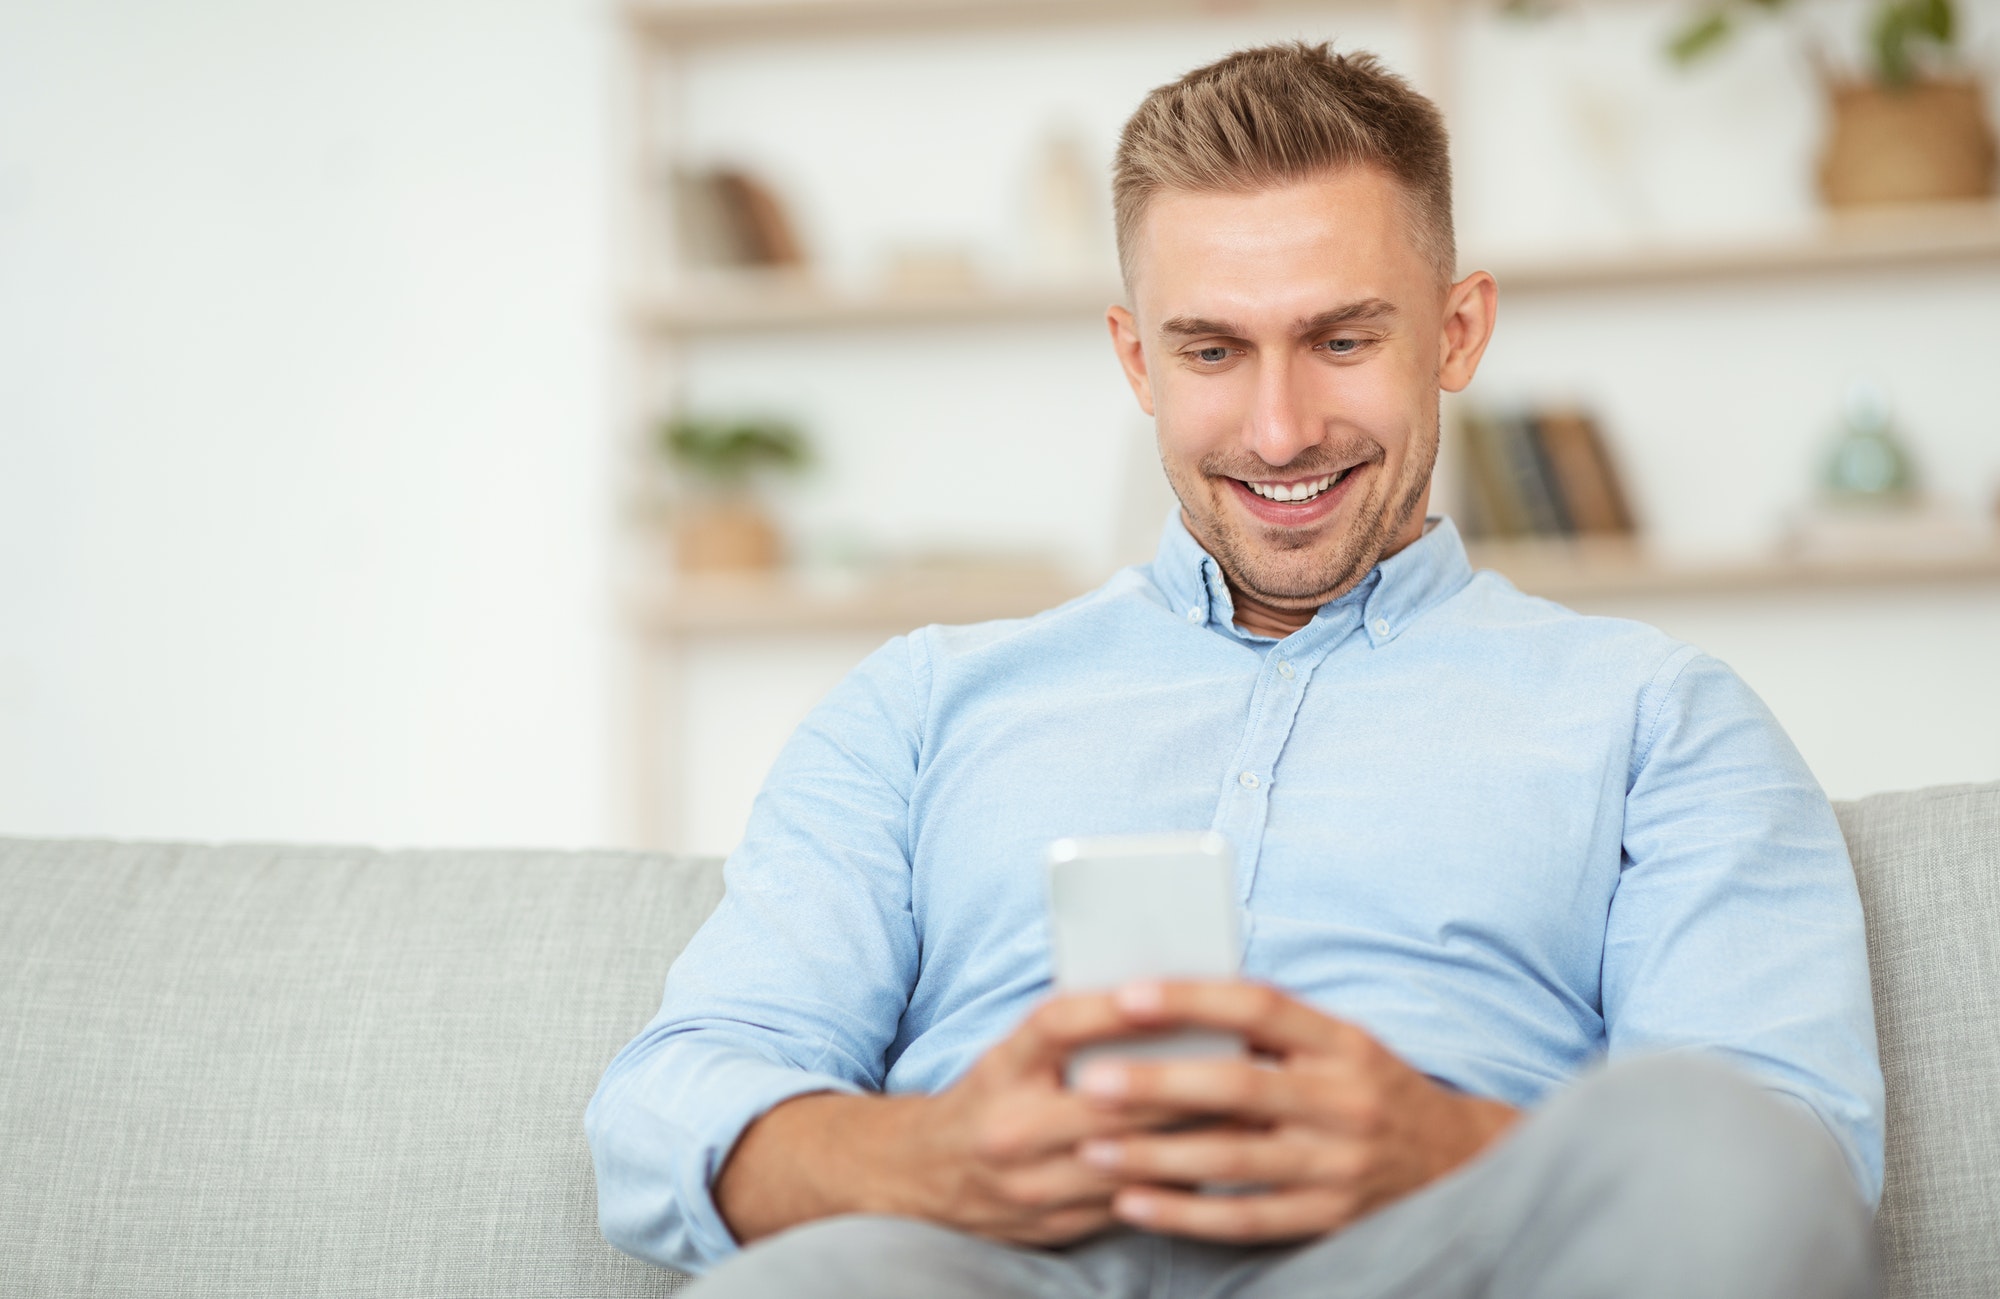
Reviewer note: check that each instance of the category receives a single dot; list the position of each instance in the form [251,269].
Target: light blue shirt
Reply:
[1505,839]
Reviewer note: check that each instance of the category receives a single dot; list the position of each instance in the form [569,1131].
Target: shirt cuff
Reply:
[663,1134]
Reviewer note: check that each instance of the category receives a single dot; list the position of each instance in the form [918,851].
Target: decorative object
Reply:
[720,525]
[1911,129]
[1868,465]
[1066,220]
[1870,505]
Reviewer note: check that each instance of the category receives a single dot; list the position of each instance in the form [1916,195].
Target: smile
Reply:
[1299,491]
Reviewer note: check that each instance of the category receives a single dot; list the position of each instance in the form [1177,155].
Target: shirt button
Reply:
[1248,780]
[1381,626]
[1194,614]
[1285,671]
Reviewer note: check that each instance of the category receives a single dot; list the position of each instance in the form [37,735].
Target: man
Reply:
[1481,842]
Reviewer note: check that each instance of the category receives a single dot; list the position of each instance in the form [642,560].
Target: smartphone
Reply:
[1159,906]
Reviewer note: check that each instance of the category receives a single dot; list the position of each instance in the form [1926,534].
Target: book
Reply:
[1493,509]
[1539,473]
[1581,473]
[727,218]
[1524,475]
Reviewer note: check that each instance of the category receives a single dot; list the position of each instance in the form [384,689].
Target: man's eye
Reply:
[1212,355]
[1343,346]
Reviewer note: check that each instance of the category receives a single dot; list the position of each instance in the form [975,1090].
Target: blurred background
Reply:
[498,422]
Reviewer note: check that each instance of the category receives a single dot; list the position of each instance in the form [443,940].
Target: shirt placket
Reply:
[1245,807]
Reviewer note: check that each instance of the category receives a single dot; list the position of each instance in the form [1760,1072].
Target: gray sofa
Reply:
[313,1071]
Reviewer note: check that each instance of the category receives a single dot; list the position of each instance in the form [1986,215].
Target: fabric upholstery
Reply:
[312,1071]
[247,1071]
[1929,869]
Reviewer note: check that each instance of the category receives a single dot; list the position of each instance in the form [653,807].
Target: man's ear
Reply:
[1131,354]
[1469,308]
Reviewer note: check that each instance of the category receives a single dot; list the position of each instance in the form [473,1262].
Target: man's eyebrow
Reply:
[1197,326]
[1360,311]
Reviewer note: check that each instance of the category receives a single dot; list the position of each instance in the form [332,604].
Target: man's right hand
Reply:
[994,1155]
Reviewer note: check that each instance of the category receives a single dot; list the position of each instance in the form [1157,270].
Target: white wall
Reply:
[302,419]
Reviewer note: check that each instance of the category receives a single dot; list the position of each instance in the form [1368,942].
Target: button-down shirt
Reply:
[1505,839]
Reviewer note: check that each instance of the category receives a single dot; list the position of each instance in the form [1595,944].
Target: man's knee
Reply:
[1726,1178]
[862,1256]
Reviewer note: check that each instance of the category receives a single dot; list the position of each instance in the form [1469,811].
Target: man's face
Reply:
[1291,344]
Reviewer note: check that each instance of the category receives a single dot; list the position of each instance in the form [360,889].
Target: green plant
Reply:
[729,452]
[1902,34]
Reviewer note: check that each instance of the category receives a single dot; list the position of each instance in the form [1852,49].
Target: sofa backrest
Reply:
[256,1071]
[249,1071]
[1929,868]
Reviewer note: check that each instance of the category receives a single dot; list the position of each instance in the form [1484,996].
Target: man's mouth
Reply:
[1304,490]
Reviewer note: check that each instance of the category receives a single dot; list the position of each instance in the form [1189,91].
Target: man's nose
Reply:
[1282,423]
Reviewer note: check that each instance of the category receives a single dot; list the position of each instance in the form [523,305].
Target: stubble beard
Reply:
[1316,576]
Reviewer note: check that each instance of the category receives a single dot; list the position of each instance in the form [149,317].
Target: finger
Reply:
[1055,1029]
[1218,1156]
[1240,1219]
[1268,1019]
[1061,1182]
[1034,1125]
[1061,1227]
[1239,1088]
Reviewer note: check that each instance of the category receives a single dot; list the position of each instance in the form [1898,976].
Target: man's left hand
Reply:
[1326,1122]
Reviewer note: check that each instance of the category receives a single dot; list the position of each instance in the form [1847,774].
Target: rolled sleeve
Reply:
[661,1130]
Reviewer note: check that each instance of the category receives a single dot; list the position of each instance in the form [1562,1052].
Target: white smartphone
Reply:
[1159,906]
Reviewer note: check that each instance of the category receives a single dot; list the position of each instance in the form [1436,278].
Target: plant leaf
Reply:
[1934,18]
[1892,46]
[1702,36]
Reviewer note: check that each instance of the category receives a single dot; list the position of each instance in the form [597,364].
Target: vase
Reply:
[1929,141]
[725,536]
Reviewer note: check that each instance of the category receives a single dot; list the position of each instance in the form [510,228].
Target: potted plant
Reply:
[720,525]
[1911,128]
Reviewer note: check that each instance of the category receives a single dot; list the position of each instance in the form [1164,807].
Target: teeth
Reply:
[1294,491]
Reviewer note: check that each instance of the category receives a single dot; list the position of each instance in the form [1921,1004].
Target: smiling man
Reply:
[1554,964]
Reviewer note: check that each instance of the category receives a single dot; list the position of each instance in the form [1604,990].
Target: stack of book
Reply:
[1538,473]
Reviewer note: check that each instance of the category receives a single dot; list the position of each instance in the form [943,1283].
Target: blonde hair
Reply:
[1277,114]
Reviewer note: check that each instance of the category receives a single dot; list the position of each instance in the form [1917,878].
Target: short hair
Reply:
[1276,114]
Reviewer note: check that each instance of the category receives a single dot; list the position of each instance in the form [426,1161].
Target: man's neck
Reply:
[1260,617]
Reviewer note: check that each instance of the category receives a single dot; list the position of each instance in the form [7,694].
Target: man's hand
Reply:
[1328,1125]
[994,1155]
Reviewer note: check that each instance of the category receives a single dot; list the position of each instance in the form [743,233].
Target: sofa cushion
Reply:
[1929,868]
[257,1071]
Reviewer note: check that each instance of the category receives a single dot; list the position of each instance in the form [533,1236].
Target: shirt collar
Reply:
[1393,595]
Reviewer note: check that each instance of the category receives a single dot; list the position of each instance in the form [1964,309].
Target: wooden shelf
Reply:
[1585,570]
[1945,235]
[685,22]
[1931,234]
[1557,570]
[888,602]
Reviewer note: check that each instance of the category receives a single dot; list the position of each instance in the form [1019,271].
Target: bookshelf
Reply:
[663,320]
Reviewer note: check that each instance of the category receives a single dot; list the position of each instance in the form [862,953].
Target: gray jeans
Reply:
[1662,1177]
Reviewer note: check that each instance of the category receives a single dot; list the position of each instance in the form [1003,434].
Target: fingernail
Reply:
[1102,1080]
[1102,1154]
[1143,998]
[1136,1206]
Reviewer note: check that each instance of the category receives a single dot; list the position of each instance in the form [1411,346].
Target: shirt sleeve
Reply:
[1736,925]
[796,984]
